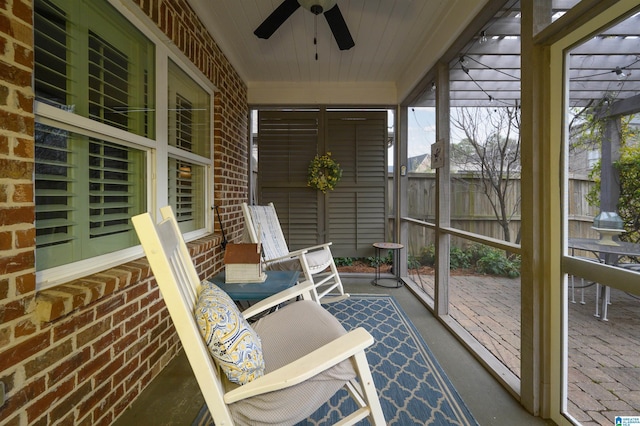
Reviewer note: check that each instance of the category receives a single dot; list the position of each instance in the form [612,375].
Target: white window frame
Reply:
[157,151]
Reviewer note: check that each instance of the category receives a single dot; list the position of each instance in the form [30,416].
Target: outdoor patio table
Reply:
[610,254]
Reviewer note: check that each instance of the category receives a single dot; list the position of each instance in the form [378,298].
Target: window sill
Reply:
[56,302]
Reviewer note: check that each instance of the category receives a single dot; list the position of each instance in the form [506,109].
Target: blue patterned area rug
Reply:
[413,388]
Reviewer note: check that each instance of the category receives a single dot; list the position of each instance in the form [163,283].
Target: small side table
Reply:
[241,292]
[395,247]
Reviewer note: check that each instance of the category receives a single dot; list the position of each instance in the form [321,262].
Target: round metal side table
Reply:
[395,248]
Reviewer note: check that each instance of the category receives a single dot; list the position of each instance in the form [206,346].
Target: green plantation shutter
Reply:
[189,132]
[54,183]
[86,191]
[87,186]
[113,177]
[186,193]
[51,51]
[353,215]
[108,84]
[91,61]
[184,123]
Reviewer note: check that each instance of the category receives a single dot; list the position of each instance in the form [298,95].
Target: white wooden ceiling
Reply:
[396,42]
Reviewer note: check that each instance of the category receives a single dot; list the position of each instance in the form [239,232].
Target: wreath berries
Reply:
[324,173]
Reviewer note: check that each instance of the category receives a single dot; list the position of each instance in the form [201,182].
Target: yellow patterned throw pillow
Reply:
[229,337]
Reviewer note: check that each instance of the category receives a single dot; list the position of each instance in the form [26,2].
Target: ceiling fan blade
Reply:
[339,28]
[277,18]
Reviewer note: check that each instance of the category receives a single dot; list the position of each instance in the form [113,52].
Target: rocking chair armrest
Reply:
[303,289]
[312,248]
[306,367]
[296,253]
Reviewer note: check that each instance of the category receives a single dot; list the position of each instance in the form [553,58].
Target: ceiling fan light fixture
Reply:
[317,6]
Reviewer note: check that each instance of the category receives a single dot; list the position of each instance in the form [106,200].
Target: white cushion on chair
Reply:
[286,337]
[229,337]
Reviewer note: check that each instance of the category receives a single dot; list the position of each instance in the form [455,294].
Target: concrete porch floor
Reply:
[174,398]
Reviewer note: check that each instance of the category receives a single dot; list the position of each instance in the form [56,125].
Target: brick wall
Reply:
[80,353]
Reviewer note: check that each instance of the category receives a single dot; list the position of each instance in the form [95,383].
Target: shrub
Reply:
[428,255]
[494,262]
[343,261]
[459,259]
[481,258]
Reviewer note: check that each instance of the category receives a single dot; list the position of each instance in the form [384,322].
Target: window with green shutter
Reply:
[102,156]
[189,148]
[90,62]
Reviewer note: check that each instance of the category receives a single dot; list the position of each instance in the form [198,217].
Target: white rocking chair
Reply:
[262,225]
[307,357]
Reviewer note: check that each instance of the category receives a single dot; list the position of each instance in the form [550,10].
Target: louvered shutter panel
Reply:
[356,208]
[50,36]
[353,215]
[287,142]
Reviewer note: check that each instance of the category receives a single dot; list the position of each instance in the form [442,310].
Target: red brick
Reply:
[124,314]
[107,340]
[16,263]
[107,373]
[26,238]
[93,332]
[69,365]
[44,401]
[5,336]
[126,370]
[23,193]
[48,358]
[4,144]
[24,328]
[22,32]
[12,310]
[122,344]
[108,307]
[135,349]
[23,55]
[70,402]
[15,169]
[76,294]
[71,325]
[95,364]
[94,398]
[25,102]
[4,288]
[4,95]
[135,321]
[50,306]
[21,397]
[4,193]
[6,240]
[24,148]
[26,283]
[23,10]
[17,215]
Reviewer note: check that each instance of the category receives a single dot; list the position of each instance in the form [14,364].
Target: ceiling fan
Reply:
[328,8]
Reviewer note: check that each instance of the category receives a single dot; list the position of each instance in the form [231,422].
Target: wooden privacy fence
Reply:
[472,212]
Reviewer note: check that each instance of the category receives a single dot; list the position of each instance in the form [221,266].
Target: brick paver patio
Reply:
[604,357]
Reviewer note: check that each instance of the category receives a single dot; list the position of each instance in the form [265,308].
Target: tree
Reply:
[629,202]
[491,148]
[590,129]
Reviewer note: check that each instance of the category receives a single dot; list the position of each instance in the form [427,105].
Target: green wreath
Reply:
[324,173]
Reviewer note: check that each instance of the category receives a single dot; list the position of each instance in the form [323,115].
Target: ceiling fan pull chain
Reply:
[315,34]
